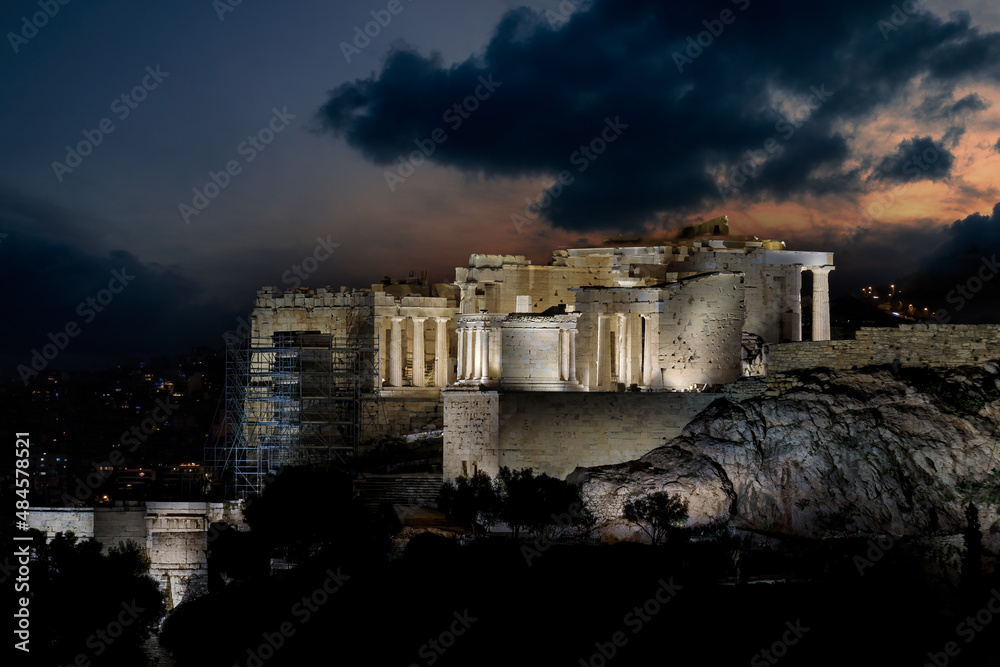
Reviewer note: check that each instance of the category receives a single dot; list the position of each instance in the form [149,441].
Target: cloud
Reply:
[996,146]
[916,159]
[706,90]
[967,250]
[942,106]
[118,305]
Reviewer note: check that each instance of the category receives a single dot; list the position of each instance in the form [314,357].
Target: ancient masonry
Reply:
[591,359]
[175,536]
[596,358]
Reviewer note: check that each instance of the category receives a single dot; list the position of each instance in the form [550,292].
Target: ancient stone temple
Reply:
[590,359]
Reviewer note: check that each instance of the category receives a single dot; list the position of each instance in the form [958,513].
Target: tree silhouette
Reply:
[471,501]
[659,514]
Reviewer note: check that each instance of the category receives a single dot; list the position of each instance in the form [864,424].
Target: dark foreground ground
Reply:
[626,604]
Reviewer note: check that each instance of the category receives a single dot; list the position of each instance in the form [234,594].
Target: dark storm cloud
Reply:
[767,91]
[916,159]
[943,106]
[962,274]
[996,146]
[117,304]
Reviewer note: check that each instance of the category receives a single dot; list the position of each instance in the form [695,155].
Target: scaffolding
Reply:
[296,398]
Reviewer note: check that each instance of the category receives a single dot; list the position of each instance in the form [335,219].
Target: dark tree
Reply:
[659,514]
[519,498]
[100,606]
[972,556]
[305,510]
[534,502]
[471,502]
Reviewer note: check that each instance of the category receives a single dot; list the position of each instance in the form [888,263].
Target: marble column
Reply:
[563,354]
[484,352]
[647,340]
[629,335]
[468,303]
[821,302]
[572,355]
[470,350]
[417,367]
[441,352]
[477,354]
[620,372]
[460,333]
[380,354]
[395,353]
[603,352]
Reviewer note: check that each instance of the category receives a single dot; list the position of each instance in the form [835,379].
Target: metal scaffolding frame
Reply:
[296,398]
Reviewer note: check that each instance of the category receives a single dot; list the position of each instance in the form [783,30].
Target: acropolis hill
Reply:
[593,359]
[674,365]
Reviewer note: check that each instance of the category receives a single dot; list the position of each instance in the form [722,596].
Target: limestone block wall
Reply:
[227,511]
[52,520]
[177,542]
[912,345]
[531,354]
[470,431]
[410,409]
[700,331]
[556,432]
[325,310]
[120,523]
[174,535]
[504,278]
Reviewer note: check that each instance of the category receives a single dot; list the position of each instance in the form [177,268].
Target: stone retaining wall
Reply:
[911,345]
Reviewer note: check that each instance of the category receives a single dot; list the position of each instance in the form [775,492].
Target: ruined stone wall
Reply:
[52,520]
[177,542]
[700,331]
[556,432]
[546,285]
[326,311]
[174,535]
[911,345]
[470,432]
[409,410]
[120,523]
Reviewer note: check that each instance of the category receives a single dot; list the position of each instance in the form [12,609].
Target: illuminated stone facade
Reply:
[665,317]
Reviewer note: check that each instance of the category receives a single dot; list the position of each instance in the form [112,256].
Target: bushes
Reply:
[518,498]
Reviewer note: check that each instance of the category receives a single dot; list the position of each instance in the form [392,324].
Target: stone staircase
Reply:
[400,489]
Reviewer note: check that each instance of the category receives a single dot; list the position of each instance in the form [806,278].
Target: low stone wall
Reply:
[557,432]
[113,525]
[52,520]
[174,535]
[409,409]
[911,345]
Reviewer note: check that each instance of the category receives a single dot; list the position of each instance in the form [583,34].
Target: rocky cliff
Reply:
[880,450]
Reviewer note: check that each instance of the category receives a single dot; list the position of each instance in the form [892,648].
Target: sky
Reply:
[163,161]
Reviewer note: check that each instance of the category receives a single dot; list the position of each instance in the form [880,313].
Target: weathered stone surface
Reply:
[695,477]
[910,345]
[175,536]
[556,432]
[852,452]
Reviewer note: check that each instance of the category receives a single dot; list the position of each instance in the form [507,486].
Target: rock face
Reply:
[879,450]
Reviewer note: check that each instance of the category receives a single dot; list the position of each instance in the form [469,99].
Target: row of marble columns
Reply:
[474,351]
[417,379]
[479,351]
[567,355]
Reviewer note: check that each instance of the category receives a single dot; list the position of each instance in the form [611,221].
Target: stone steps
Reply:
[413,489]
